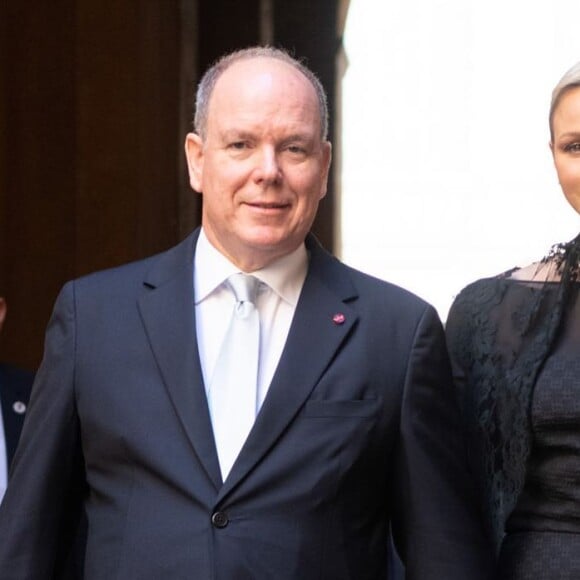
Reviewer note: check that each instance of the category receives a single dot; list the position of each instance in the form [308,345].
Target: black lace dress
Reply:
[515,350]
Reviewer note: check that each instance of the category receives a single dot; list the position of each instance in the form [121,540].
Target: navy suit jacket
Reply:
[359,428]
[15,387]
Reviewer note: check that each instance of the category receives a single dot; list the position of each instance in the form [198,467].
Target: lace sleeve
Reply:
[470,338]
[499,332]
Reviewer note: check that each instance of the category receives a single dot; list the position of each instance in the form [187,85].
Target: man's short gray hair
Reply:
[209,79]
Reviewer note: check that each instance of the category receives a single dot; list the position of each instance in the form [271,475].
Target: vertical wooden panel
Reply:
[226,25]
[189,206]
[91,147]
[108,133]
[38,176]
[128,103]
[160,134]
[3,160]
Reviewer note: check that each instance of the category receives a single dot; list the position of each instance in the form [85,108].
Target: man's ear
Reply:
[194,155]
[3,309]
[326,161]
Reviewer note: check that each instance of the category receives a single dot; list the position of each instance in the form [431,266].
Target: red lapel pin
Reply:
[338,318]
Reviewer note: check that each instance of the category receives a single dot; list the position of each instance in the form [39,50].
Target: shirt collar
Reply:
[285,276]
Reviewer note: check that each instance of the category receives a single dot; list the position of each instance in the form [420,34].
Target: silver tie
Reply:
[233,388]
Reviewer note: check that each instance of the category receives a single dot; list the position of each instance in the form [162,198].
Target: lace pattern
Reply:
[500,332]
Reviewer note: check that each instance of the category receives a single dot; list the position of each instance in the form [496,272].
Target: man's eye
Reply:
[238,145]
[297,149]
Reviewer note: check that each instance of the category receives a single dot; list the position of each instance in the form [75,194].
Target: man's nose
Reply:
[268,167]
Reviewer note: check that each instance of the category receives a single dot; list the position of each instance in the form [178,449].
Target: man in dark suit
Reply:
[354,426]
[15,386]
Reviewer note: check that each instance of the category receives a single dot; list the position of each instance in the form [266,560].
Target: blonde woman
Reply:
[514,341]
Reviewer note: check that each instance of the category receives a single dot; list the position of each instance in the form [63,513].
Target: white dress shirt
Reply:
[276,302]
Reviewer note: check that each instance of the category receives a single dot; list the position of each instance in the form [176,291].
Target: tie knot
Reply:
[244,287]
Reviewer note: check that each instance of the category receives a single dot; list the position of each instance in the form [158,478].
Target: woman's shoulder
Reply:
[481,292]
[491,289]
[468,324]
[547,270]
[507,299]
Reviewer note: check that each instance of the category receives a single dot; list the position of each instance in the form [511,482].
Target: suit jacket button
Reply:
[220,519]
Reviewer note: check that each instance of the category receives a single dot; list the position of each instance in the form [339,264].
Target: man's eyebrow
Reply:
[236,134]
[299,137]
[233,134]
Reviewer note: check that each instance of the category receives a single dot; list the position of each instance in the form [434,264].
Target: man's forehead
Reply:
[265,70]
[259,89]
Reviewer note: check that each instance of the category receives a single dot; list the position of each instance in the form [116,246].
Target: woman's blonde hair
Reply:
[570,80]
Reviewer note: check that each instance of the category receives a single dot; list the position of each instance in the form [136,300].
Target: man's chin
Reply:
[267,238]
[271,246]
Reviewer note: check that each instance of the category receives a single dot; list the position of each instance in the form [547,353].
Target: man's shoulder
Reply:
[384,301]
[164,263]
[366,285]
[387,292]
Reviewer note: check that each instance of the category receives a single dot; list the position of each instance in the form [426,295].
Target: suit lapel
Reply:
[168,314]
[315,336]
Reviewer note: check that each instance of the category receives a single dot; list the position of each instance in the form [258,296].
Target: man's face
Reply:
[262,167]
